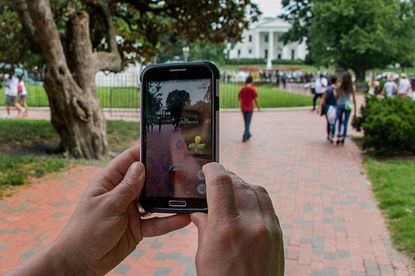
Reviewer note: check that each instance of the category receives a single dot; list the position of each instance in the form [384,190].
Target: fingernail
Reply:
[137,169]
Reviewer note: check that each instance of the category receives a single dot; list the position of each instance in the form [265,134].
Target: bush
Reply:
[246,61]
[255,61]
[388,125]
[288,61]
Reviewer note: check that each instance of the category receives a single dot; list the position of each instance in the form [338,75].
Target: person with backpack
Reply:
[319,86]
[389,88]
[328,108]
[345,94]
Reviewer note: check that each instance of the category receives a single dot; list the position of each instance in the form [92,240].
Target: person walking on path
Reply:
[248,96]
[344,93]
[389,88]
[404,86]
[373,85]
[11,84]
[328,108]
[319,86]
[22,93]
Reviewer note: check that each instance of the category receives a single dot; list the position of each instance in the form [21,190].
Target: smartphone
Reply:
[179,134]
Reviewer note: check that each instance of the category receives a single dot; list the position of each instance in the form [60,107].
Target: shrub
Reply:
[255,61]
[246,61]
[388,125]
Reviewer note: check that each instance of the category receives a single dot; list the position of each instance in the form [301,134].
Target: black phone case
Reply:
[216,75]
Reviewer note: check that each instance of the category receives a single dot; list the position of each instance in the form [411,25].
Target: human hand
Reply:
[241,234]
[106,226]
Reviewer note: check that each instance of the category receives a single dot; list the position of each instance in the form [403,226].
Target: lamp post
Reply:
[186,51]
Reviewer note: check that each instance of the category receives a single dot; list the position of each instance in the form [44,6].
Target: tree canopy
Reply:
[354,34]
[176,100]
[139,25]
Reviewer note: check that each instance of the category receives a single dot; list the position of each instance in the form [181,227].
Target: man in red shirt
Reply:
[247,97]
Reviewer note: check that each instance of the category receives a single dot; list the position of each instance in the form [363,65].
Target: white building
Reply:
[262,41]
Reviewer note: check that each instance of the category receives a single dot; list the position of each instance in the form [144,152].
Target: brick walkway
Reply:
[329,217]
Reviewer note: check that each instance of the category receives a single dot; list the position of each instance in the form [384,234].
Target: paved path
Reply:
[329,217]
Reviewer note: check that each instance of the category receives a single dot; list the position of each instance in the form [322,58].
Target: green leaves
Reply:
[139,26]
[356,34]
[389,125]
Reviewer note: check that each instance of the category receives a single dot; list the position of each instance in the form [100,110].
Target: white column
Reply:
[270,47]
[285,52]
[257,41]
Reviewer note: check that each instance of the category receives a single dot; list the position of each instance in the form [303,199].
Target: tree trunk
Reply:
[75,109]
[360,73]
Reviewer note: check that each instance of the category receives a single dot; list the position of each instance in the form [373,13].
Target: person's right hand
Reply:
[241,234]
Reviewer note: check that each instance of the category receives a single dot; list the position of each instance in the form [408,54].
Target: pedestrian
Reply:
[11,93]
[345,94]
[284,80]
[278,78]
[319,87]
[373,86]
[389,88]
[404,86]
[248,96]
[240,234]
[329,109]
[22,96]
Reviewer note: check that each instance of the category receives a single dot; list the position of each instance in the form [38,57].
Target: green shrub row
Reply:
[255,61]
[388,125]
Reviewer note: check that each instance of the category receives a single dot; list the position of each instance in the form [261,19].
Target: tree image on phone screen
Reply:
[179,137]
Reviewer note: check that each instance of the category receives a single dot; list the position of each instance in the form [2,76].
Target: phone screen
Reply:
[178,135]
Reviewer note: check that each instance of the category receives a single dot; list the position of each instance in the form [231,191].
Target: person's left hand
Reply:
[106,226]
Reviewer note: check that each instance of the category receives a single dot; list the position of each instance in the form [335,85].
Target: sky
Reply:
[269,8]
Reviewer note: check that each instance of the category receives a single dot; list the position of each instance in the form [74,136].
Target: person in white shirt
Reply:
[319,86]
[22,92]
[11,84]
[389,88]
[404,86]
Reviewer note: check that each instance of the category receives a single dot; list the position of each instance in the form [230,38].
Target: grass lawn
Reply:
[17,169]
[117,97]
[268,97]
[394,187]
[128,97]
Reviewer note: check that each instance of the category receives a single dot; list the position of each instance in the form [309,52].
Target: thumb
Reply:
[130,186]
[199,219]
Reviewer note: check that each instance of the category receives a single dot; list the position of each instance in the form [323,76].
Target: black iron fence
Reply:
[120,94]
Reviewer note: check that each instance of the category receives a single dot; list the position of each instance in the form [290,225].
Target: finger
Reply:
[158,226]
[129,187]
[246,199]
[199,219]
[220,194]
[267,209]
[114,172]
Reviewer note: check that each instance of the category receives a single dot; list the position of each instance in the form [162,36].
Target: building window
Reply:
[279,56]
[266,38]
[292,54]
[239,53]
[250,38]
[266,53]
[250,51]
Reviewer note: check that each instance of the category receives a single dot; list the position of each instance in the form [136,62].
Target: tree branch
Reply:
[111,60]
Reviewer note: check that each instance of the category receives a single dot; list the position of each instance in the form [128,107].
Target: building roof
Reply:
[271,23]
